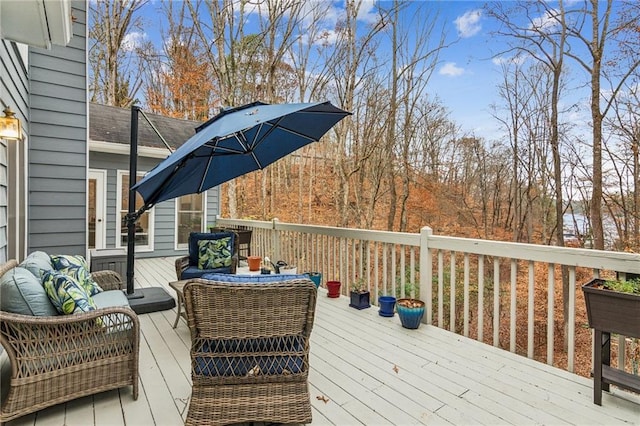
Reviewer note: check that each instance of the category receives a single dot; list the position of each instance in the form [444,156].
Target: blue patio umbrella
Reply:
[235,142]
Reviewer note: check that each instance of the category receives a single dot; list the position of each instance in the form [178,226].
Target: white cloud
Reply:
[451,70]
[507,60]
[326,38]
[468,24]
[331,14]
[367,12]
[547,22]
[133,40]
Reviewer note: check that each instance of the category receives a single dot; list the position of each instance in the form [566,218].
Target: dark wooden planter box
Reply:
[612,311]
[360,300]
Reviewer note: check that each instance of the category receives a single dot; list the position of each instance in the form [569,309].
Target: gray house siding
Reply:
[58,144]
[164,213]
[213,206]
[14,91]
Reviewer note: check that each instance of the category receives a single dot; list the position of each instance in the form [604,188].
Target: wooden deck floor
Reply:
[369,370]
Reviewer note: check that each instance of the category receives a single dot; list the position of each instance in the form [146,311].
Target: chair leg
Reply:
[601,356]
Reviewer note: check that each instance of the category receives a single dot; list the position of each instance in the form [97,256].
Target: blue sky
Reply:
[465,79]
[469,74]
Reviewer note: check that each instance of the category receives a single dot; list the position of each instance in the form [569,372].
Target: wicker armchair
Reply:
[249,351]
[189,263]
[55,359]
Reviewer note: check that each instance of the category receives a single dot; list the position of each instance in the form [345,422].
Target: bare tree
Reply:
[352,62]
[179,81]
[624,203]
[598,15]
[413,63]
[541,36]
[245,66]
[116,73]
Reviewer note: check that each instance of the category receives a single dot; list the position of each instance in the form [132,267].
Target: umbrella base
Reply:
[150,299]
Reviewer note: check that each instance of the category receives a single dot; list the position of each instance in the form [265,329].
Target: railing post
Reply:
[275,239]
[426,271]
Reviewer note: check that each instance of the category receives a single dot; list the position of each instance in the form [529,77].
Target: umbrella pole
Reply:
[151,299]
[131,216]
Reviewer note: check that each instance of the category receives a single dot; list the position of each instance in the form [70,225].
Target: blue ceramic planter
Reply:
[410,317]
[316,277]
[387,306]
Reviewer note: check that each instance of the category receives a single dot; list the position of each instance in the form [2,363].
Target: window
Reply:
[144,225]
[189,217]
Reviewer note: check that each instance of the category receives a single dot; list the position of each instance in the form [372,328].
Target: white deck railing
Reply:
[491,282]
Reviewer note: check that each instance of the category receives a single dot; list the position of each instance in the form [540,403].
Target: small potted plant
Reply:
[387,306]
[410,312]
[316,277]
[360,295]
[333,288]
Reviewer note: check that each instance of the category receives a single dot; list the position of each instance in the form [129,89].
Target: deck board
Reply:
[369,369]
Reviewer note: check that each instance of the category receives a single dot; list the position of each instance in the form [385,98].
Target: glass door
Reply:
[96,215]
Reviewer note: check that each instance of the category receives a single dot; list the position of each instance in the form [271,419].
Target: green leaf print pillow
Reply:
[66,294]
[214,254]
[77,268]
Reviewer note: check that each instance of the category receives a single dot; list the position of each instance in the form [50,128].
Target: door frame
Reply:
[100,177]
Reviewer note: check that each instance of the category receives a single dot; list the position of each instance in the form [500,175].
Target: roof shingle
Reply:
[113,124]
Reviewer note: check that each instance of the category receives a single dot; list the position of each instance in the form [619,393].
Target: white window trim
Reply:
[139,248]
[100,203]
[182,247]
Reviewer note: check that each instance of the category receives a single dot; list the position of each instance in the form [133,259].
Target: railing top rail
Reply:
[588,258]
[260,224]
[403,238]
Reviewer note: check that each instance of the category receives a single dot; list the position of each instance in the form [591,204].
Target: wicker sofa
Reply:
[49,358]
[249,349]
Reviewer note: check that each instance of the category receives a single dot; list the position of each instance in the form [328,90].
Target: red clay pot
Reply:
[254,263]
[334,288]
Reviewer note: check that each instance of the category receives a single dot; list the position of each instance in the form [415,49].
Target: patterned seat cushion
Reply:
[245,357]
[251,279]
[195,272]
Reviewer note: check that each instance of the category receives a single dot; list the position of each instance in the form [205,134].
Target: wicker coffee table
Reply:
[178,286]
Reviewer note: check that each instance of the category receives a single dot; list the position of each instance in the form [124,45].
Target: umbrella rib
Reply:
[293,132]
[221,149]
[204,175]
[217,147]
[255,143]
[151,201]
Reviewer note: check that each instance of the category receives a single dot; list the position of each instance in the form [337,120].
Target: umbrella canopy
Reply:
[235,142]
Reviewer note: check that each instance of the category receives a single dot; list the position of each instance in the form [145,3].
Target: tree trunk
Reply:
[596,118]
